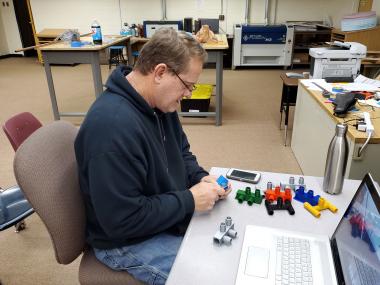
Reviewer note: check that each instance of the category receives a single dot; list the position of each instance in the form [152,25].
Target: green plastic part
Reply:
[247,195]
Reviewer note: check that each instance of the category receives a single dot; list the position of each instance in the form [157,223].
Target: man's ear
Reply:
[159,71]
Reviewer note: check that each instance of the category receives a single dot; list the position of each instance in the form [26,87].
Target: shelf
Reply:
[304,40]
[316,32]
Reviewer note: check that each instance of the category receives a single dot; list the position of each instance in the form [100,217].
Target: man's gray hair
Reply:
[174,48]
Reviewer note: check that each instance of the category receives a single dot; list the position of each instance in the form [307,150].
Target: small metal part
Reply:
[232,233]
[301,181]
[291,180]
[269,185]
[226,232]
[226,239]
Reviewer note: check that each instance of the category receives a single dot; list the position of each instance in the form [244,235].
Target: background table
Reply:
[201,261]
[215,54]
[63,53]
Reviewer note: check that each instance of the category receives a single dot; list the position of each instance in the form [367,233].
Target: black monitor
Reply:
[212,23]
[356,241]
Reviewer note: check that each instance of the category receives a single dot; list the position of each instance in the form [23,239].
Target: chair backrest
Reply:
[19,127]
[46,169]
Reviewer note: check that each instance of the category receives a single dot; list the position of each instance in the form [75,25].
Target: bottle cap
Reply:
[341,129]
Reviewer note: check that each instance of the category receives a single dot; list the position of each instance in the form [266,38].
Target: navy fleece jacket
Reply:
[135,168]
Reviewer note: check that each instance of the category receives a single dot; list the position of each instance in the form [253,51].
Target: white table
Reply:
[201,261]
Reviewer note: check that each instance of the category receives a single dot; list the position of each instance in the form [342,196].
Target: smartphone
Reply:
[243,175]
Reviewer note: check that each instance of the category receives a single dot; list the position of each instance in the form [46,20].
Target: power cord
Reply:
[369,129]
[361,149]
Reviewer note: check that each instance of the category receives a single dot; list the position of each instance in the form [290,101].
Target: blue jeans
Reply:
[149,261]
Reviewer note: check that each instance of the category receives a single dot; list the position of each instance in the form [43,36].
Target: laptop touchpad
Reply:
[257,262]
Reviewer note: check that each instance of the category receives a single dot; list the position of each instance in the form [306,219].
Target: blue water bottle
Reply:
[96,33]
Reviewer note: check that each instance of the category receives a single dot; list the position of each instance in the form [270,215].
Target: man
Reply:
[141,183]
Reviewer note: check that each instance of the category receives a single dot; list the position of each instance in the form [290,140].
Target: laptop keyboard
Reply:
[368,275]
[293,262]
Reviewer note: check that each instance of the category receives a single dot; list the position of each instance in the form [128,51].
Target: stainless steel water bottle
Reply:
[336,161]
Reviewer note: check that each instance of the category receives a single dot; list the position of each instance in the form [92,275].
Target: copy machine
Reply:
[262,45]
[338,63]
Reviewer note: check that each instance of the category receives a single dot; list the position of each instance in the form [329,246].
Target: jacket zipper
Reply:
[162,138]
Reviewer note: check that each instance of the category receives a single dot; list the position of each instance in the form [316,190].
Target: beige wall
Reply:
[80,14]
[376,7]
[3,39]
[11,34]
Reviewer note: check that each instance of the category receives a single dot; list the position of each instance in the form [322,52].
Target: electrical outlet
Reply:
[221,17]
[355,155]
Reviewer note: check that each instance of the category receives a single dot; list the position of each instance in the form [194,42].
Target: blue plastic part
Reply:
[309,197]
[223,182]
[76,44]
[117,47]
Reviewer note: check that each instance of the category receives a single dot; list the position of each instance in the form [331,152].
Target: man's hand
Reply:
[209,179]
[205,195]
[212,179]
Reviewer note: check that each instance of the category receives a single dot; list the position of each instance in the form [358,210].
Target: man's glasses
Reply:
[190,87]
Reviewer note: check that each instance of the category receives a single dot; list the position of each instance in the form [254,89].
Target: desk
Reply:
[314,127]
[215,54]
[63,53]
[288,98]
[46,36]
[201,261]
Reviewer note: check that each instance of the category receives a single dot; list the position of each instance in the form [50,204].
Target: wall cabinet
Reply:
[306,38]
[368,37]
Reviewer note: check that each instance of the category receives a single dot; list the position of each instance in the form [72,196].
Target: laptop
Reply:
[352,256]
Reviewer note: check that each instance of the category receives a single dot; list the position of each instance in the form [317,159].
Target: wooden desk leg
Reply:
[96,73]
[287,106]
[50,83]
[282,102]
[129,52]
[219,87]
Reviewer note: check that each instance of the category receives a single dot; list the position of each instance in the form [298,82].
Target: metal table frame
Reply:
[218,55]
[56,54]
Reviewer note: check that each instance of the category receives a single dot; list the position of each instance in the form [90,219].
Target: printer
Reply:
[262,45]
[338,63]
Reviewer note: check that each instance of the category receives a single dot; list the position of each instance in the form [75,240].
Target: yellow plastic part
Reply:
[311,209]
[202,91]
[323,204]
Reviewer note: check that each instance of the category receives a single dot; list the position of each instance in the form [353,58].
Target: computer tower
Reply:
[212,23]
[188,25]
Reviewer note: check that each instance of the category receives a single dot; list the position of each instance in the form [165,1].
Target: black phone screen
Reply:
[244,175]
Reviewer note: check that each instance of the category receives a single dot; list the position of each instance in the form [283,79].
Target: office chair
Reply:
[14,208]
[19,127]
[116,56]
[45,167]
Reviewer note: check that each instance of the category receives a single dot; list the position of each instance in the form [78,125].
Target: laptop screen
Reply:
[356,241]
